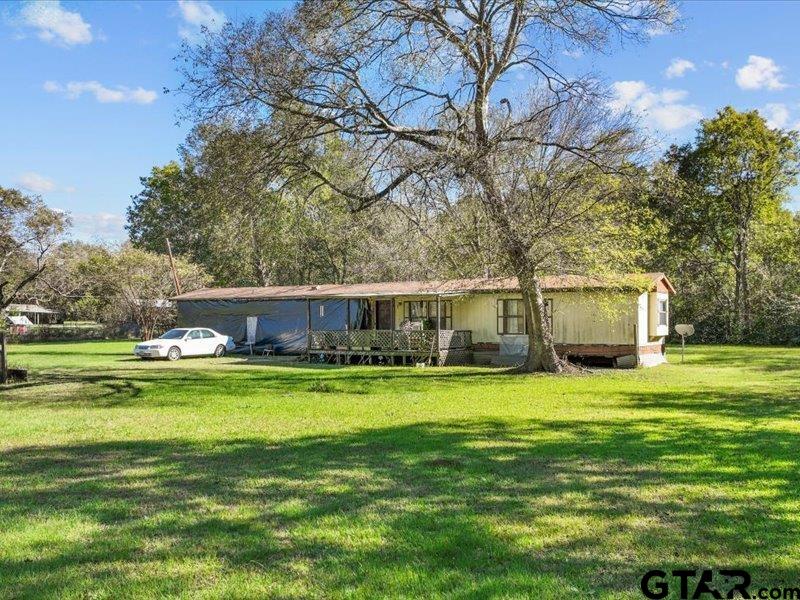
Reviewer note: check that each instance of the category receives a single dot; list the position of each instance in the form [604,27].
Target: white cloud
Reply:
[678,68]
[675,116]
[662,109]
[776,114]
[759,73]
[75,89]
[55,24]
[197,14]
[39,184]
[575,53]
[100,226]
[36,183]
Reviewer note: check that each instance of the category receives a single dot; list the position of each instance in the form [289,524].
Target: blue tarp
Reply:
[282,323]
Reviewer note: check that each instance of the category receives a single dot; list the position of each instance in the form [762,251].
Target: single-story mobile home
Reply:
[622,320]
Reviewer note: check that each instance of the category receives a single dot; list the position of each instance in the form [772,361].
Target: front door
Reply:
[383,314]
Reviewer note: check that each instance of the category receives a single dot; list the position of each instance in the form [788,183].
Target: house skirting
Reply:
[623,355]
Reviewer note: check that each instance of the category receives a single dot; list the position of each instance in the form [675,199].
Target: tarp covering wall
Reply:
[282,323]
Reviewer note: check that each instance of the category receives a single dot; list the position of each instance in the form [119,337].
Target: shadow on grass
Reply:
[179,384]
[461,509]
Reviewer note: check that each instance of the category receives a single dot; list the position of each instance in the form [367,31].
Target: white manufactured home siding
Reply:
[594,318]
[643,320]
[588,317]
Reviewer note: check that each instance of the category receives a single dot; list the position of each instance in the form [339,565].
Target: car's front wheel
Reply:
[219,351]
[174,353]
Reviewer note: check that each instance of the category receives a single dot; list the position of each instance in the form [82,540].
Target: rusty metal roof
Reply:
[451,287]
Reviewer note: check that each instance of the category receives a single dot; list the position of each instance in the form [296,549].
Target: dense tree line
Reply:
[730,242]
[217,209]
[713,214]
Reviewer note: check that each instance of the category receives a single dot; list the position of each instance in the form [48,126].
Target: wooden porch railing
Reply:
[390,340]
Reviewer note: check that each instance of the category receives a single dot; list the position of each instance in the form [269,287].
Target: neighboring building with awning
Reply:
[38,315]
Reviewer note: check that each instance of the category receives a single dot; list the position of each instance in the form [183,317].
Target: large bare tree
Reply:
[412,86]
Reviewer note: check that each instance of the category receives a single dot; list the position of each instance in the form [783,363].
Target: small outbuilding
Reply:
[37,315]
[619,320]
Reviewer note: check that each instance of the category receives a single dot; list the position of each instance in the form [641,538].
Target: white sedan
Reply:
[189,341]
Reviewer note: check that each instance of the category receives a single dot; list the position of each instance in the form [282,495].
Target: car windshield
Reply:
[174,334]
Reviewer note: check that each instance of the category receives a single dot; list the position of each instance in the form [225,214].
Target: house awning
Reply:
[30,309]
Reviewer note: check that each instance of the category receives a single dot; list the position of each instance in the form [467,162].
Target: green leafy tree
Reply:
[29,231]
[70,286]
[715,194]
[138,285]
[164,209]
[221,211]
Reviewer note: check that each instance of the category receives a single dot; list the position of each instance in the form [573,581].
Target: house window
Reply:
[446,318]
[424,311]
[511,316]
[663,311]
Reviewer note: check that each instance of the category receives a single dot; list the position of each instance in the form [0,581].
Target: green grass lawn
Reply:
[225,478]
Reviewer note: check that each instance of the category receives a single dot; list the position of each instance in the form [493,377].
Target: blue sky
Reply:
[83,114]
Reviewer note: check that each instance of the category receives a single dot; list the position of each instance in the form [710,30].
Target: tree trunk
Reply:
[745,285]
[541,352]
[741,296]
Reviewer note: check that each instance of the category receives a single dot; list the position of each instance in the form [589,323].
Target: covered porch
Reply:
[394,330]
[391,346]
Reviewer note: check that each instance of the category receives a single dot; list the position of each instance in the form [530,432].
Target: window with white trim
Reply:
[663,312]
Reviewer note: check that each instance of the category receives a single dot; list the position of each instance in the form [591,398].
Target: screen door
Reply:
[252,324]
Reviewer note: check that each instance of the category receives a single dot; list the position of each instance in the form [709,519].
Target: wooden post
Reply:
[373,311]
[3,358]
[438,326]
[347,327]
[176,280]
[308,328]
